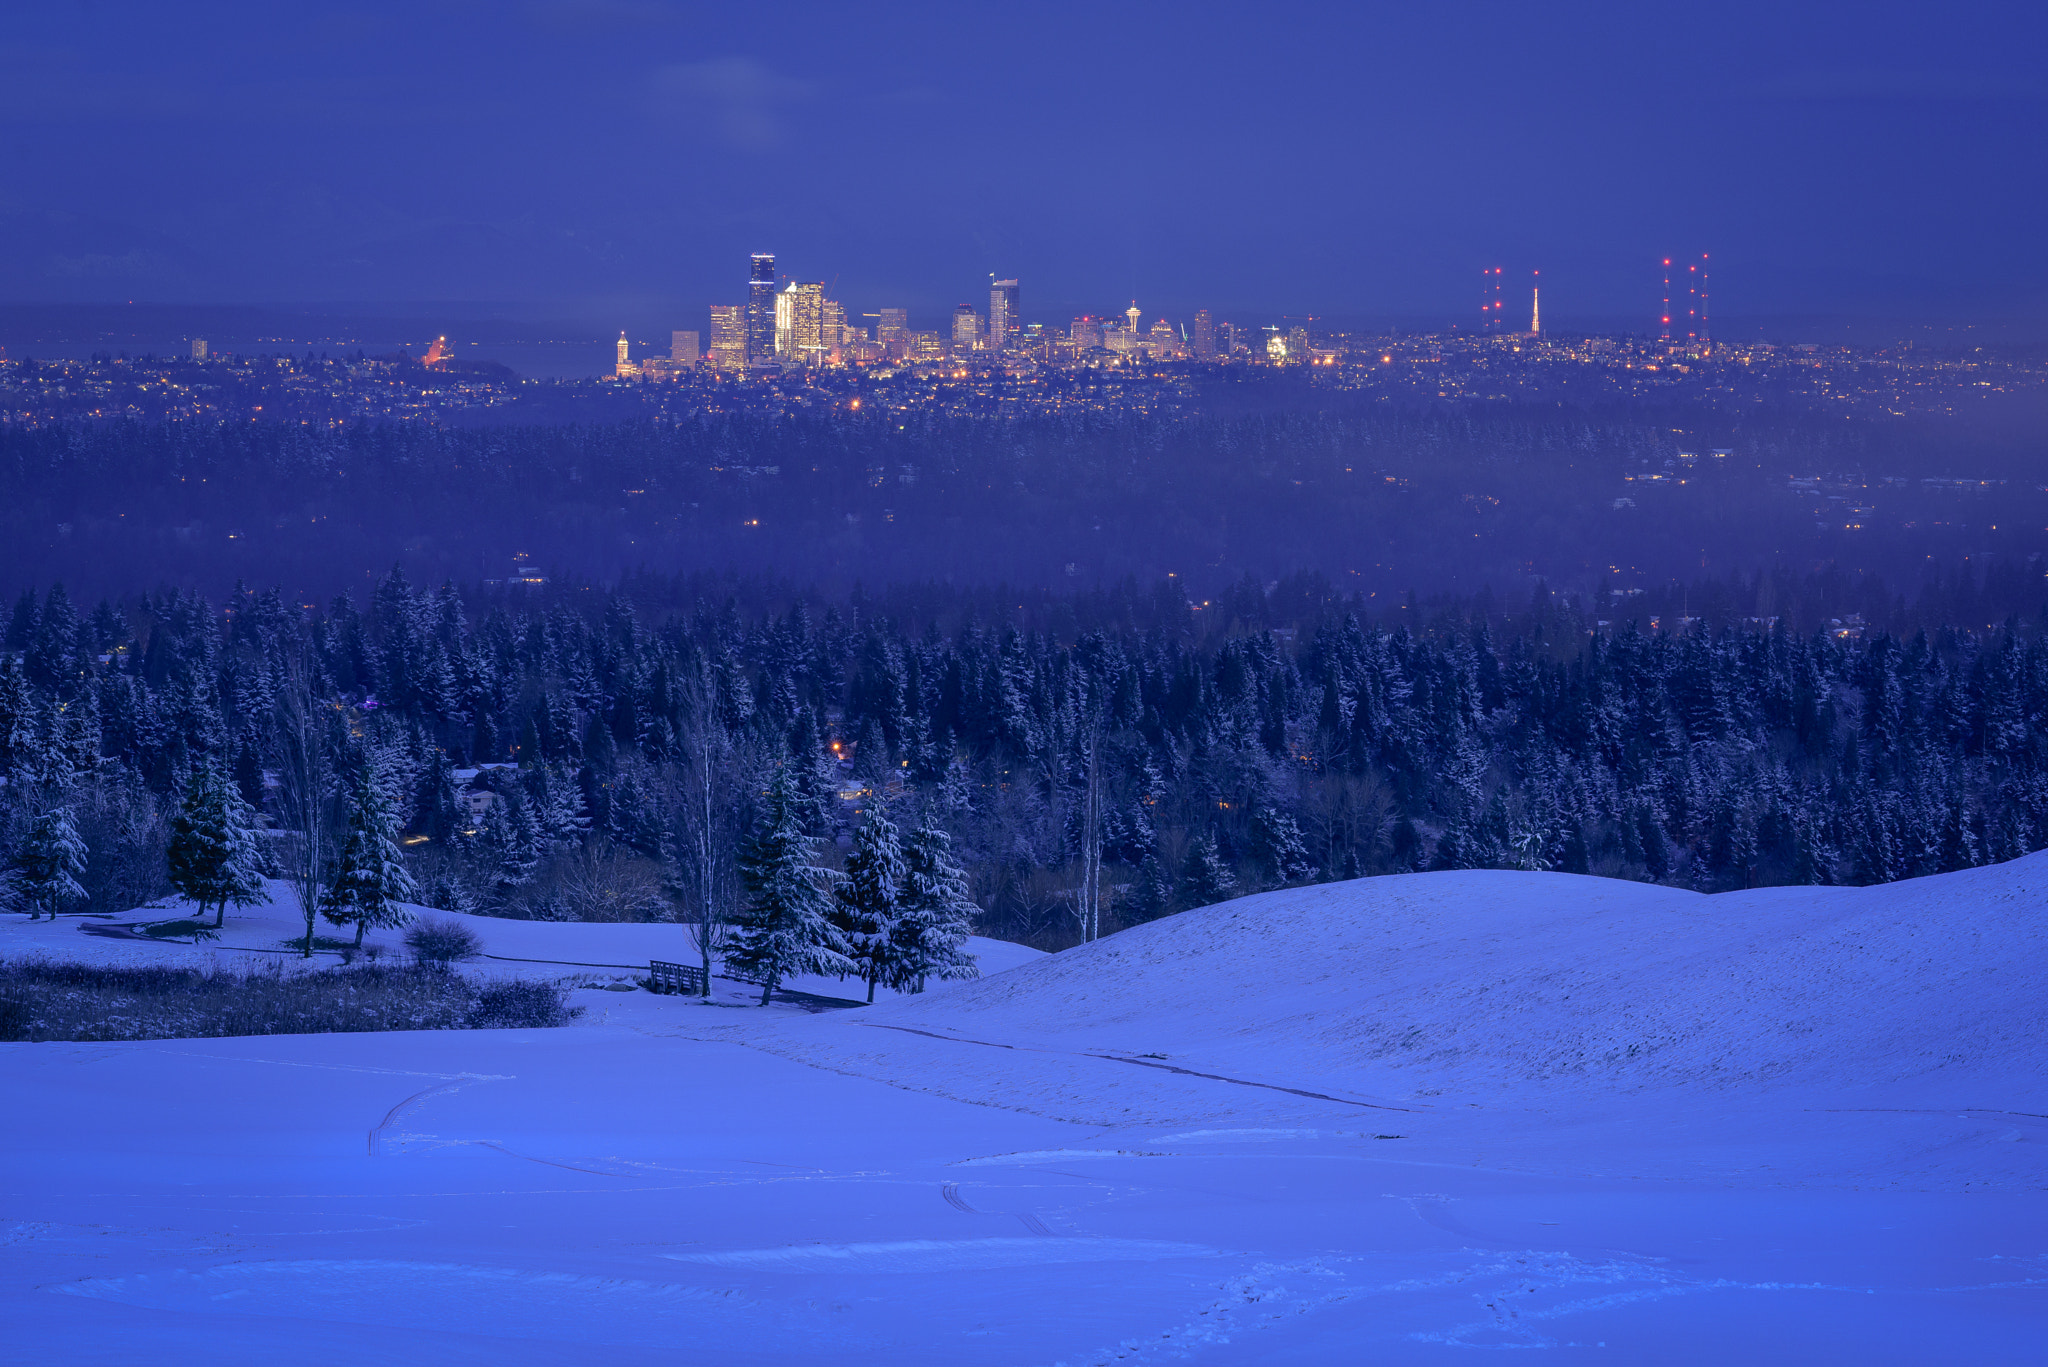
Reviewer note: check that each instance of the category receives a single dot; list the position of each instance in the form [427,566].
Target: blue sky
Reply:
[1357,159]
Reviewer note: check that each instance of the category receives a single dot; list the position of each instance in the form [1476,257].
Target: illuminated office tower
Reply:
[833,326]
[1297,345]
[800,322]
[1003,322]
[625,366]
[761,309]
[1205,336]
[198,348]
[682,346]
[728,337]
[966,328]
[1087,331]
[892,333]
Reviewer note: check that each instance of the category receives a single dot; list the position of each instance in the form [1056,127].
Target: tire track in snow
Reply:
[1031,1223]
[1142,1063]
[376,1136]
[1241,1082]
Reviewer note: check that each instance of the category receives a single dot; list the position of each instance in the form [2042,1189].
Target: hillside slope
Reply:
[1482,986]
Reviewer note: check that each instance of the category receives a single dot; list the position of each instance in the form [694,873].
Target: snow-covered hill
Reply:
[1492,978]
[1391,1121]
[1470,1004]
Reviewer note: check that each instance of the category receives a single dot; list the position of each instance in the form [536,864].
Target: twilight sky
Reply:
[1343,159]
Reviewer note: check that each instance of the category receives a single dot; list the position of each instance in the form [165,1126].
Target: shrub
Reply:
[515,1005]
[45,1000]
[437,940]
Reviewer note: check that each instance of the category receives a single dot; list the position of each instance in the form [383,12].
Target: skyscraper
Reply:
[761,310]
[625,368]
[966,328]
[729,336]
[1205,336]
[800,322]
[1003,321]
[891,331]
[1086,332]
[682,346]
[832,318]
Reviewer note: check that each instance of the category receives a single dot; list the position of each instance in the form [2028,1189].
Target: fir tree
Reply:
[934,916]
[213,856]
[49,863]
[370,877]
[784,923]
[17,717]
[1277,842]
[1205,879]
[1152,898]
[865,909]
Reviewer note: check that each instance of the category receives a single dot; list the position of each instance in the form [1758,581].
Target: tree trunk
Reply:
[362,924]
[220,913]
[767,986]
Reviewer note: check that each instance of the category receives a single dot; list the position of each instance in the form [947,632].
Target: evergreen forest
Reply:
[1095,760]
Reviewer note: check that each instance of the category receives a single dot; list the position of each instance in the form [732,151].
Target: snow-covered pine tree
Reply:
[934,914]
[1276,838]
[17,717]
[784,923]
[1206,879]
[865,908]
[241,882]
[1152,895]
[213,856]
[49,862]
[370,877]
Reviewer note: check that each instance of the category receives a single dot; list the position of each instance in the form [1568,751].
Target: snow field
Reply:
[1396,1121]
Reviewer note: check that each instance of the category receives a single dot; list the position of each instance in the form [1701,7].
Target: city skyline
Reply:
[787,322]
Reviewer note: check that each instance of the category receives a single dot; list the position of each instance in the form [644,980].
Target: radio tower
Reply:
[1707,330]
[1535,306]
[1489,299]
[1665,319]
